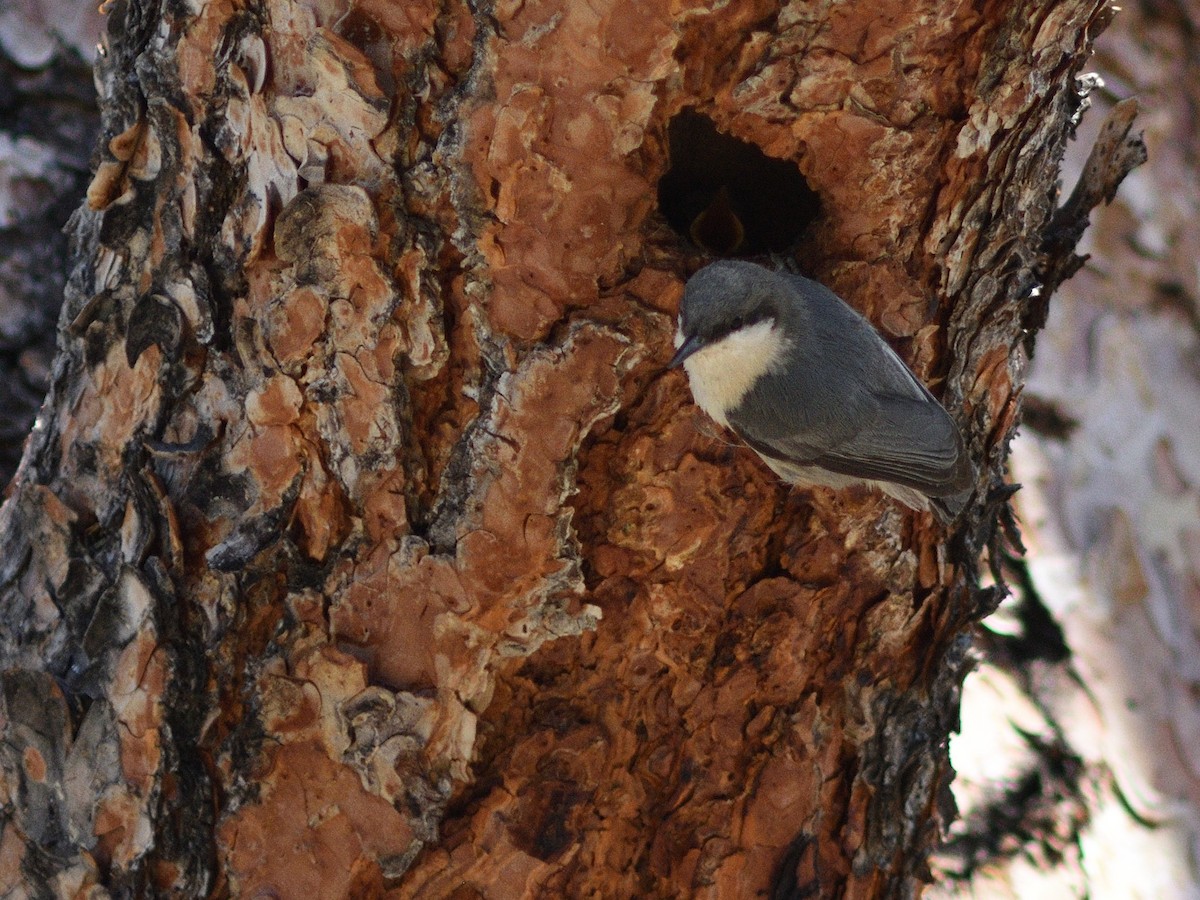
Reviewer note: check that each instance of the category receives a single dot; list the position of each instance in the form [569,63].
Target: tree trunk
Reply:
[362,546]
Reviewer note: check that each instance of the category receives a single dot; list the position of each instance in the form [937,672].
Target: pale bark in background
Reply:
[1111,514]
[34,33]
[363,547]
[48,125]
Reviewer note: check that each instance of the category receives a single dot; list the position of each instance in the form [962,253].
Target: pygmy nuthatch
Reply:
[814,390]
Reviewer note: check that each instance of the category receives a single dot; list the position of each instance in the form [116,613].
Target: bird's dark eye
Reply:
[737,324]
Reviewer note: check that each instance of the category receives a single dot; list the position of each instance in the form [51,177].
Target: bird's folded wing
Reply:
[909,442]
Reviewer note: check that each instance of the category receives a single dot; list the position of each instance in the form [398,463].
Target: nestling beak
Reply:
[686,349]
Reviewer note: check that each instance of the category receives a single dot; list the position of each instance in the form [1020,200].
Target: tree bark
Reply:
[362,546]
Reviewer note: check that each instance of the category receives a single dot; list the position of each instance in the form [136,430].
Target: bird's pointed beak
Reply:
[686,349]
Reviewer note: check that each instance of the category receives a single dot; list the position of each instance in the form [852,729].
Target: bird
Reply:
[809,385]
[718,228]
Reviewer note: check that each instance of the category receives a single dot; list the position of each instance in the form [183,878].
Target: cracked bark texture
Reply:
[363,548]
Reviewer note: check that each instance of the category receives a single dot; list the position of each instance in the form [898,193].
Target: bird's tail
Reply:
[949,508]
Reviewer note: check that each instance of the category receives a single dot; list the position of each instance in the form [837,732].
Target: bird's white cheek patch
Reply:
[722,373]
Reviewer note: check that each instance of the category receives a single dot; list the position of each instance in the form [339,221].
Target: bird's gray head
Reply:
[722,299]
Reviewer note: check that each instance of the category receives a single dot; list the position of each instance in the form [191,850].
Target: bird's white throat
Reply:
[721,373]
